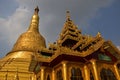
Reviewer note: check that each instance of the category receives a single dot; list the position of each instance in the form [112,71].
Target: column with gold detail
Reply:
[87,76]
[64,65]
[42,73]
[53,74]
[116,71]
[33,77]
[95,69]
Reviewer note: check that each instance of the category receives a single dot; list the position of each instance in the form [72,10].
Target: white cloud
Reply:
[14,24]
[11,28]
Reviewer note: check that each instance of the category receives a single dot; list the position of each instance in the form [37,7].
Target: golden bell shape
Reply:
[31,40]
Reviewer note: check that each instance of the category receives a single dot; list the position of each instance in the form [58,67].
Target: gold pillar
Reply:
[116,71]
[53,74]
[64,70]
[87,76]
[33,76]
[42,73]
[95,69]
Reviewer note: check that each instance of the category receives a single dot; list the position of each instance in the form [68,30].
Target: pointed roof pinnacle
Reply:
[34,21]
[36,10]
[67,15]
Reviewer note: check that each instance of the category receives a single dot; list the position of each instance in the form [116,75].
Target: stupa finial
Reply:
[34,21]
[36,10]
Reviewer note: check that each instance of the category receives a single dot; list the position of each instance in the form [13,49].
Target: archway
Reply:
[76,74]
[48,77]
[59,75]
[107,74]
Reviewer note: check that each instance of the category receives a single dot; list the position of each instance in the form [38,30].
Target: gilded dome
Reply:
[31,40]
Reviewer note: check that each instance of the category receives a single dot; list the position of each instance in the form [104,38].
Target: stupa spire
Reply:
[36,10]
[34,21]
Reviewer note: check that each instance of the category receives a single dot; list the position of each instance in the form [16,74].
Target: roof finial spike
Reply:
[68,15]
[99,34]
[36,10]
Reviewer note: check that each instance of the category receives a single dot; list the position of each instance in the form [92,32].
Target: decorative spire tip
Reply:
[36,10]
[68,15]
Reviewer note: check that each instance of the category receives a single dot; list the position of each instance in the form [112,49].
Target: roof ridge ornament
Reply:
[99,34]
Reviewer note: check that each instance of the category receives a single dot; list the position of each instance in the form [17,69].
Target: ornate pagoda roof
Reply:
[72,39]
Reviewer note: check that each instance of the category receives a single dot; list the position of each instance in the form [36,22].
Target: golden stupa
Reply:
[73,56]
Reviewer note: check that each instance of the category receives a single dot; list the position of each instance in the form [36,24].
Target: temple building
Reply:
[74,56]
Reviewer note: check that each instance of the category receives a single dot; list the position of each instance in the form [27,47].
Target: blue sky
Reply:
[109,22]
[91,16]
